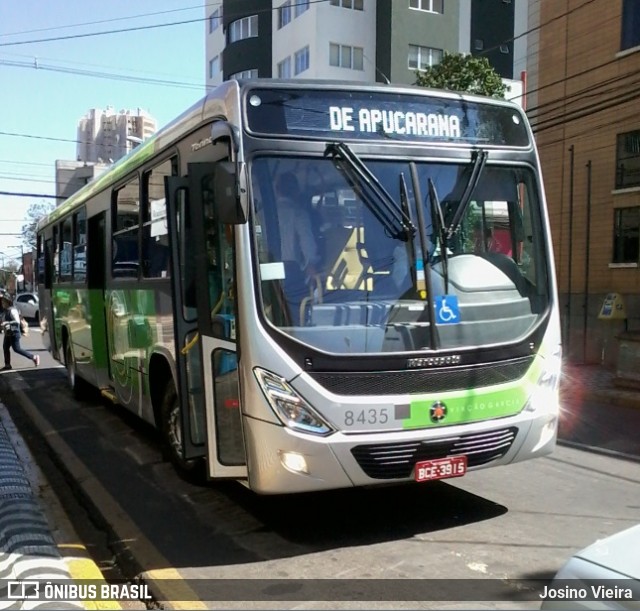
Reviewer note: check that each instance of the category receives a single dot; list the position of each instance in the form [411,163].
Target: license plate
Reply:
[440,468]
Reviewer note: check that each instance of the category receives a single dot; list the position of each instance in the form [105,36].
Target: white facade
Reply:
[214,45]
[105,136]
[352,32]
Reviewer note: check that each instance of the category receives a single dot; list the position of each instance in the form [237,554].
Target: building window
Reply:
[626,246]
[432,6]
[630,24]
[284,14]
[301,7]
[215,19]
[284,68]
[302,60]
[247,27]
[628,160]
[421,58]
[245,74]
[345,56]
[214,66]
[357,5]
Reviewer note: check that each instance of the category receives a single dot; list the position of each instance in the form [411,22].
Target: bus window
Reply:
[48,263]
[56,253]
[124,257]
[40,259]
[155,234]
[65,249]
[80,246]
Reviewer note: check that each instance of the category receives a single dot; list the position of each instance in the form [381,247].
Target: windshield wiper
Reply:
[404,202]
[479,159]
[439,225]
[374,195]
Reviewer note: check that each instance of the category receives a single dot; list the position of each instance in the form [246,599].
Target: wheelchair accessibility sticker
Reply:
[447,310]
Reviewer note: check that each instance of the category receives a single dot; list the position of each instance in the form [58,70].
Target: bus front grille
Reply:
[396,460]
[416,381]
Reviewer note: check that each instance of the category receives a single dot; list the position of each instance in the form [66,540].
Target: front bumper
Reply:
[368,459]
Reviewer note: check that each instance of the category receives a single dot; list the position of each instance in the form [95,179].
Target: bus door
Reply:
[205,324]
[96,278]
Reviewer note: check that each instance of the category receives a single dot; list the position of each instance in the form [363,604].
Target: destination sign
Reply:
[374,115]
[374,120]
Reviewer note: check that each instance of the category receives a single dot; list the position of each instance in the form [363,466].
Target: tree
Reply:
[465,74]
[34,213]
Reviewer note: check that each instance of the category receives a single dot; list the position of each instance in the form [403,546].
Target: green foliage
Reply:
[35,212]
[464,74]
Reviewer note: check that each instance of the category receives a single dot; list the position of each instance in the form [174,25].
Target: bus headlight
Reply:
[289,406]
[546,394]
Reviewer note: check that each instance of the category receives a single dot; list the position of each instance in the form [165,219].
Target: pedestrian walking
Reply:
[12,333]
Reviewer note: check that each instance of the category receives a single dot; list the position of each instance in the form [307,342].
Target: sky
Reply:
[47,86]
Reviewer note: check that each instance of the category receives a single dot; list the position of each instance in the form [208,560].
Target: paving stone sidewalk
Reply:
[598,414]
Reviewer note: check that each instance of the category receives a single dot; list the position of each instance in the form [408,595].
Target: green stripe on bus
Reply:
[473,405]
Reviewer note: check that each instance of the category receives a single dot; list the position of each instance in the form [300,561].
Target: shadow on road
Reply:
[215,524]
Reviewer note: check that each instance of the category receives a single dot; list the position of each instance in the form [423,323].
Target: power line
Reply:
[105,75]
[21,194]
[36,60]
[38,137]
[538,27]
[145,27]
[105,33]
[30,178]
[596,90]
[77,25]
[25,162]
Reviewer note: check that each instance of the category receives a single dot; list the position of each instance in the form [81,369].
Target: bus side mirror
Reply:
[230,193]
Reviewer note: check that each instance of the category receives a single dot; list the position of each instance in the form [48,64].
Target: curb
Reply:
[44,532]
[133,551]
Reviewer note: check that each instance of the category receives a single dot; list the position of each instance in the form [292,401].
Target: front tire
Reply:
[171,428]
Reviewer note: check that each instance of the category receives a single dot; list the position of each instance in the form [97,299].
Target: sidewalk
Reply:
[28,550]
[38,543]
[597,414]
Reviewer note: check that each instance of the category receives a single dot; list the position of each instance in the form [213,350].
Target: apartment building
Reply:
[583,104]
[104,136]
[359,40]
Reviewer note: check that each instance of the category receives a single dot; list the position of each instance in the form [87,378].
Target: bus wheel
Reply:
[171,427]
[80,387]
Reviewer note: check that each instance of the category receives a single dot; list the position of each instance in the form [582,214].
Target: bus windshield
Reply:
[334,275]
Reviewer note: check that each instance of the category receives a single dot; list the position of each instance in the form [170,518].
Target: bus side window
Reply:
[155,232]
[124,257]
[48,263]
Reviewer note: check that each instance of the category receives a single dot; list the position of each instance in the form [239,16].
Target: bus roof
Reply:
[222,100]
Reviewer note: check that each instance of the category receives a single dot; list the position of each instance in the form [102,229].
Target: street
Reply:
[517,522]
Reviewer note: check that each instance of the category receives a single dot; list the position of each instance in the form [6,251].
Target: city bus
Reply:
[297,283]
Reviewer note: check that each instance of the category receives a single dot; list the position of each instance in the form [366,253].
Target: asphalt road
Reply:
[516,522]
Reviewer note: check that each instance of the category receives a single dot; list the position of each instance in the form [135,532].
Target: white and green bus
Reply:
[311,285]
